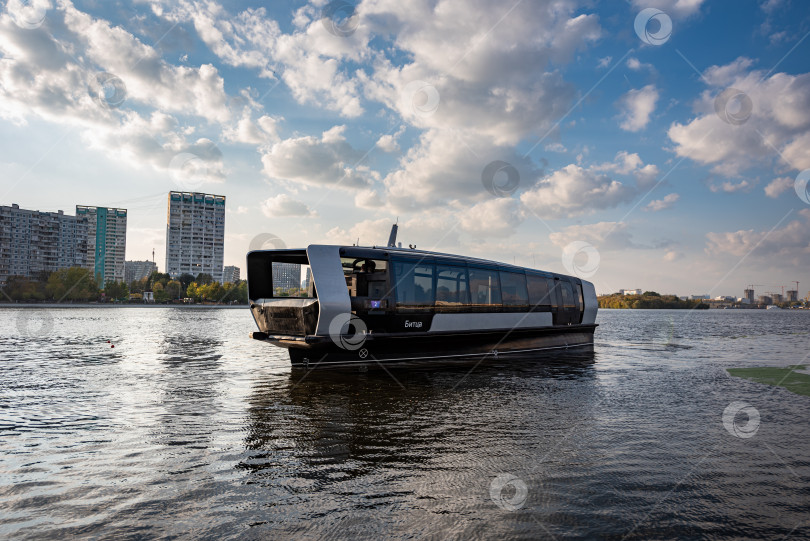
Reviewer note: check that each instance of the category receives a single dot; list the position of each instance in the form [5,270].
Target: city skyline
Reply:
[555,136]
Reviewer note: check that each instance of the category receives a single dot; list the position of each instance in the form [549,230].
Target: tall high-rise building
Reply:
[137,270]
[106,241]
[195,234]
[749,294]
[34,243]
[286,275]
[792,295]
[230,274]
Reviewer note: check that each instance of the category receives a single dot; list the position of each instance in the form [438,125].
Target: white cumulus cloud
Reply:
[637,105]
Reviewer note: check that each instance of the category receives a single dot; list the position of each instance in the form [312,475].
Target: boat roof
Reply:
[428,253]
[413,252]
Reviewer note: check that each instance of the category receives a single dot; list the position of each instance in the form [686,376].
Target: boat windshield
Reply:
[367,281]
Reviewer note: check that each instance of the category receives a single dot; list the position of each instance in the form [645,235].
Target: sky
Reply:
[654,144]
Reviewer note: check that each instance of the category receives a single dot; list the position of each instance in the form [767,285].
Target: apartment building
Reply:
[195,234]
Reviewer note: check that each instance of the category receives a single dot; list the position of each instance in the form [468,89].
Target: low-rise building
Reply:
[138,270]
[230,274]
[630,292]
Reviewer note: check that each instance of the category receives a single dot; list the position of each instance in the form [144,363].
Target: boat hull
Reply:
[436,348]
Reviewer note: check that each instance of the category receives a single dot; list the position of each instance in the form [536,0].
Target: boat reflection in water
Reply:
[318,429]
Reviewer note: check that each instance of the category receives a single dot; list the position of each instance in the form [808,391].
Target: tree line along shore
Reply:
[653,300]
[649,300]
[77,285]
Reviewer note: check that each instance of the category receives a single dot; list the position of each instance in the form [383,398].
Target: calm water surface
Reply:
[187,428]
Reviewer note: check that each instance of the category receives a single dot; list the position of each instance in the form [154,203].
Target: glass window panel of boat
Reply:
[358,264]
[365,277]
[539,291]
[485,289]
[553,286]
[580,298]
[414,284]
[513,289]
[288,280]
[452,288]
[567,295]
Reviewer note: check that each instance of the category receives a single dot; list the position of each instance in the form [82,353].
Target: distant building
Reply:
[765,299]
[230,274]
[34,243]
[630,292]
[195,234]
[792,295]
[725,298]
[138,270]
[306,281]
[700,297]
[749,294]
[286,275]
[106,241]
[777,298]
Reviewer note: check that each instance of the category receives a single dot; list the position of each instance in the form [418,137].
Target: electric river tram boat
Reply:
[361,305]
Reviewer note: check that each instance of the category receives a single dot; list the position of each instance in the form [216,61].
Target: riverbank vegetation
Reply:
[76,284]
[649,300]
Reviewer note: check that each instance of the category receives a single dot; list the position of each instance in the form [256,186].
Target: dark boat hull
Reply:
[431,347]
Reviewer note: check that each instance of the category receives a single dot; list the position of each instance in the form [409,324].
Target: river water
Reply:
[187,428]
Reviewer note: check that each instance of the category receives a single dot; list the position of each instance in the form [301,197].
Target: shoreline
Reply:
[110,305]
